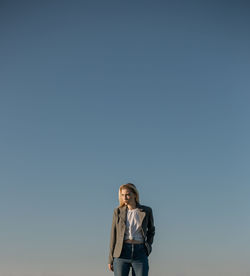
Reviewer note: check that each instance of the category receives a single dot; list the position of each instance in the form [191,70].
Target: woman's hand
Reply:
[111,267]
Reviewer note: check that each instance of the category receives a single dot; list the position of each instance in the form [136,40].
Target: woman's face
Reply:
[127,196]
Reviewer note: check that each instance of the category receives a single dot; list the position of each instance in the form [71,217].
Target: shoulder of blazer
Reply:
[144,208]
[118,210]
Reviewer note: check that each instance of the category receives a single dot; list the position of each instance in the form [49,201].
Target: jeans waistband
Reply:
[133,244]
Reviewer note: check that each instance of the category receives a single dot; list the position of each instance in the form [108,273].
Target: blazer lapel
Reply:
[141,213]
[123,213]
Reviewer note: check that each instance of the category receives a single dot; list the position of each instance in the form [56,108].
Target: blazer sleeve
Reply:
[151,227]
[112,237]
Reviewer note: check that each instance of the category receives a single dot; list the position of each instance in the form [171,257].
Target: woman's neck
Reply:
[131,206]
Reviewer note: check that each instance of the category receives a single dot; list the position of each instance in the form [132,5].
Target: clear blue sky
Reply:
[94,94]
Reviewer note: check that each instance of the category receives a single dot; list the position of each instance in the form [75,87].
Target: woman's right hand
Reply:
[111,267]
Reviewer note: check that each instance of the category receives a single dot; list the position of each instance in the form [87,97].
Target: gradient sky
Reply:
[94,94]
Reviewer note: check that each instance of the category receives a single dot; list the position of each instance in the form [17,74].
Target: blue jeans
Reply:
[132,255]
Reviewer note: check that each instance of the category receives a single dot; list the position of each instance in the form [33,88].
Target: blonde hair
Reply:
[131,187]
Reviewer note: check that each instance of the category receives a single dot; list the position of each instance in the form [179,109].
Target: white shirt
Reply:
[133,231]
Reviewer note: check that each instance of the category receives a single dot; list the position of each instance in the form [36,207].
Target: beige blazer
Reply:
[119,225]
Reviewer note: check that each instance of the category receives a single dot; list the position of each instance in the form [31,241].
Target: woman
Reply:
[132,234]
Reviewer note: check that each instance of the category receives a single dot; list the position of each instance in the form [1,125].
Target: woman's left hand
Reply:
[111,267]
